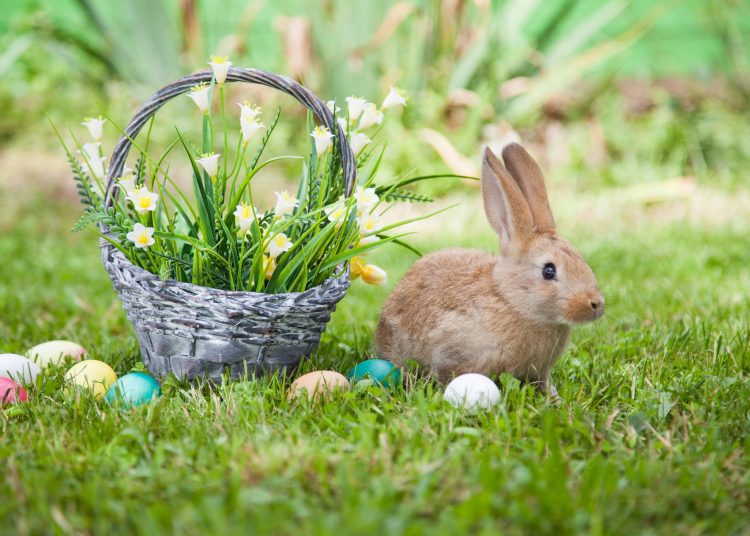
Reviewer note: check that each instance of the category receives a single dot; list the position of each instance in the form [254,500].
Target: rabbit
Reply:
[458,311]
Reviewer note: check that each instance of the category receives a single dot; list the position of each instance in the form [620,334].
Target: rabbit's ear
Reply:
[530,180]
[504,203]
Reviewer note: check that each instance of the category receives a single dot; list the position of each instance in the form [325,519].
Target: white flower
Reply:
[285,204]
[370,116]
[245,215]
[356,106]
[141,236]
[366,198]
[126,181]
[342,123]
[93,158]
[248,111]
[250,128]
[374,275]
[323,139]
[248,121]
[210,163]
[331,105]
[143,200]
[91,150]
[368,224]
[394,99]
[336,212]
[357,141]
[95,125]
[278,245]
[221,66]
[199,94]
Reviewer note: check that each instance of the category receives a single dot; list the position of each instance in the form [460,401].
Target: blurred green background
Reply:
[598,86]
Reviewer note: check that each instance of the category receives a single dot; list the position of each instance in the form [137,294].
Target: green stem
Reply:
[224,127]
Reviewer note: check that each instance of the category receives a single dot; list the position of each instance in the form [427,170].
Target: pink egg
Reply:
[11,392]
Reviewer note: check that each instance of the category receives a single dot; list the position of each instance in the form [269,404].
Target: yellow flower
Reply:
[374,275]
[356,267]
[220,66]
[141,236]
[270,266]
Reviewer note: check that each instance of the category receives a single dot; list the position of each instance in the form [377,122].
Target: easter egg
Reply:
[54,352]
[472,391]
[317,384]
[19,368]
[133,390]
[93,375]
[382,371]
[11,392]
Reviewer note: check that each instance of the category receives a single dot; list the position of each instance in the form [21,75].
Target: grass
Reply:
[651,437]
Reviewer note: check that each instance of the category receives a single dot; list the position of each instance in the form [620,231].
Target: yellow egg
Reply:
[317,384]
[91,374]
[54,352]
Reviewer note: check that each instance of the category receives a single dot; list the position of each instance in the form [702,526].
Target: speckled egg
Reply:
[18,368]
[384,372]
[472,392]
[317,384]
[11,392]
[133,390]
[93,375]
[54,352]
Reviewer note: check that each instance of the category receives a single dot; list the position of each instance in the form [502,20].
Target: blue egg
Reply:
[384,372]
[133,390]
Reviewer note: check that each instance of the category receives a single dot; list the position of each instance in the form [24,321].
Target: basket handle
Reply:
[235,74]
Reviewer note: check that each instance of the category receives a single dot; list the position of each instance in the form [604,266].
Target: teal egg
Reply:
[133,390]
[380,370]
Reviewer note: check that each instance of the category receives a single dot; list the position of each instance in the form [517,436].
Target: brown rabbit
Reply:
[458,311]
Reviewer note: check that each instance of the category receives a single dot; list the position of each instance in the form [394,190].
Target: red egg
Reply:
[11,392]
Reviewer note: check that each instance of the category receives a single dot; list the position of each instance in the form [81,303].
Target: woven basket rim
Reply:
[114,252]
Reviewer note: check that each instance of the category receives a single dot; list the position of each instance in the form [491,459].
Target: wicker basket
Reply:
[195,331]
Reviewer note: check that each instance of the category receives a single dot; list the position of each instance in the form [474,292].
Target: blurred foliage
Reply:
[477,71]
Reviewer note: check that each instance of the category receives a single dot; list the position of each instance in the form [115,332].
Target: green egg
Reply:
[384,372]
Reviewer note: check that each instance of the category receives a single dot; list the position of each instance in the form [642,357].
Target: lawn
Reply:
[651,435]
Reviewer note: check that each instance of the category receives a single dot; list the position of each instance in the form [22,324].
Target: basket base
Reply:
[263,360]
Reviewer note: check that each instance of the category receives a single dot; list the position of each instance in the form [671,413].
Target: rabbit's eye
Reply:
[549,271]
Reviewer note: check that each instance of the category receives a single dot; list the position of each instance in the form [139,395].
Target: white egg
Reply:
[18,368]
[472,391]
[54,352]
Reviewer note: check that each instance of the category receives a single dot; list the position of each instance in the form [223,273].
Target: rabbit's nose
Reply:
[597,303]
